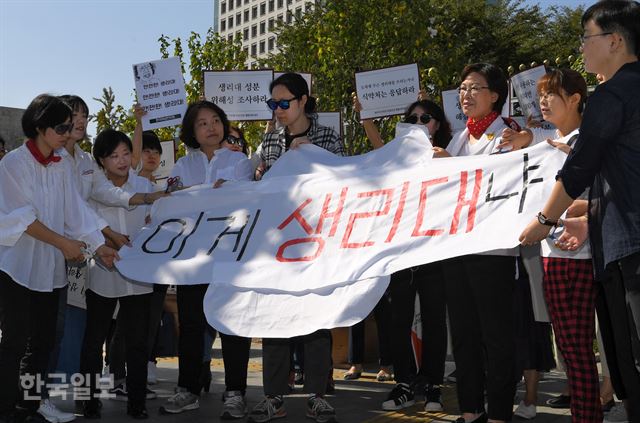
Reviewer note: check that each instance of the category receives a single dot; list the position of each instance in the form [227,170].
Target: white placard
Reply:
[453,110]
[525,85]
[306,76]
[242,95]
[167,161]
[387,92]
[331,120]
[76,276]
[160,91]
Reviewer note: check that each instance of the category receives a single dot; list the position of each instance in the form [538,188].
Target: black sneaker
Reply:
[432,399]
[401,396]
[320,410]
[561,401]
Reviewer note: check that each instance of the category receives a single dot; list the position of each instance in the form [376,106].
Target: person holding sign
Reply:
[480,287]
[43,222]
[294,109]
[427,281]
[605,158]
[204,127]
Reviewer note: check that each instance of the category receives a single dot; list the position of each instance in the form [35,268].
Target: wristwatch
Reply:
[543,220]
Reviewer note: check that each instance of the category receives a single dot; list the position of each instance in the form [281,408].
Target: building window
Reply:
[230,22]
[289,2]
[262,47]
[280,18]
[272,4]
[263,28]
[238,18]
[289,16]
[308,6]
[230,4]
[223,25]
[238,35]
[238,3]
[272,43]
[246,34]
[254,31]
[263,9]
[246,15]
[223,7]
[254,49]
[247,2]
[272,24]
[298,12]
[230,38]
[280,4]
[254,12]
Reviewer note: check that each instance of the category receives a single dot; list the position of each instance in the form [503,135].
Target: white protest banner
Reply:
[525,85]
[242,95]
[76,276]
[306,76]
[167,161]
[387,92]
[453,111]
[331,120]
[160,91]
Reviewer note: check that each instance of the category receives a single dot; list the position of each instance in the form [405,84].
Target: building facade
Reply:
[255,20]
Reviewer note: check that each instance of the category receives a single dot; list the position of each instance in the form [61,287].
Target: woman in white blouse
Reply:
[43,221]
[204,127]
[106,288]
[480,287]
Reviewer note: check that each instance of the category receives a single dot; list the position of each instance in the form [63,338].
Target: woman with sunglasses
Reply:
[480,287]
[204,127]
[294,109]
[427,281]
[43,221]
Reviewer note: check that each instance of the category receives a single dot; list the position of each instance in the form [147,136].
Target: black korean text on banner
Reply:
[242,95]
[387,92]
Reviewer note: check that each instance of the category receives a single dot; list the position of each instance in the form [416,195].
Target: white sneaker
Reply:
[53,414]
[617,414]
[525,411]
[152,375]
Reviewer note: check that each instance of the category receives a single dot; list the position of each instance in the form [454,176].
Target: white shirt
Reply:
[30,191]
[196,169]
[548,247]
[109,283]
[487,144]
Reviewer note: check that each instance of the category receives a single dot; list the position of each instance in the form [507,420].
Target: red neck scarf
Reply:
[477,127]
[44,161]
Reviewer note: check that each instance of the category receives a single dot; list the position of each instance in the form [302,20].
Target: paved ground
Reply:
[355,401]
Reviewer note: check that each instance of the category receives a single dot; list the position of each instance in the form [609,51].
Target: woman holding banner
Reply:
[479,287]
[204,127]
[294,109]
[426,280]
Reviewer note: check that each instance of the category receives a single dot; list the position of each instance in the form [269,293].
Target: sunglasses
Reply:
[63,128]
[283,104]
[424,119]
[236,140]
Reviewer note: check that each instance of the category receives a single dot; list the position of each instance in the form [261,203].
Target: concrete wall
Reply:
[11,127]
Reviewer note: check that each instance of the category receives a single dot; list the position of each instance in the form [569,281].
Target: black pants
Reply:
[317,362]
[134,309]
[191,340]
[235,355]
[480,301]
[622,294]
[117,348]
[26,316]
[428,281]
[382,314]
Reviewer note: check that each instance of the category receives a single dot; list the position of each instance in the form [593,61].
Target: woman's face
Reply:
[296,105]
[56,137]
[476,98]
[118,163]
[209,130]
[150,159]
[80,119]
[554,107]
[230,146]
[432,125]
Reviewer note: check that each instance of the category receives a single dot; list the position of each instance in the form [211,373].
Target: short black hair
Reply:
[151,141]
[187,135]
[495,79]
[619,16]
[44,111]
[76,103]
[443,135]
[107,141]
[298,87]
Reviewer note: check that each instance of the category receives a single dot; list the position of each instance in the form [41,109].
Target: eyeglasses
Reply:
[283,104]
[424,119]
[63,128]
[473,90]
[583,38]
[236,140]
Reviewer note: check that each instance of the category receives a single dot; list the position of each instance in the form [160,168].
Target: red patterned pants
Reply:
[570,292]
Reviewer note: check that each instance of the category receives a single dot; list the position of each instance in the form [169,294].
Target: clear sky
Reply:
[80,46]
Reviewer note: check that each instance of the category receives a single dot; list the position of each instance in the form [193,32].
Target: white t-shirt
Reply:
[109,283]
[196,169]
[30,191]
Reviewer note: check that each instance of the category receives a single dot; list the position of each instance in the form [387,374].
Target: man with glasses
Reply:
[606,158]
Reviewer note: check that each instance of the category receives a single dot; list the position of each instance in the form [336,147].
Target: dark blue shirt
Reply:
[606,158]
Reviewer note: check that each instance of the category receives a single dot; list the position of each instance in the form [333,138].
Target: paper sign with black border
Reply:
[242,94]
[387,91]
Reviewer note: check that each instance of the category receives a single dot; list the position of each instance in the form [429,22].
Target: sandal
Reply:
[353,373]
[383,376]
